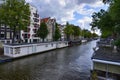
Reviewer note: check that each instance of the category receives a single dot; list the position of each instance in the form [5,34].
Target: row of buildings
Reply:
[29,36]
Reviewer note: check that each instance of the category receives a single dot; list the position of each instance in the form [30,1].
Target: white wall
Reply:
[22,50]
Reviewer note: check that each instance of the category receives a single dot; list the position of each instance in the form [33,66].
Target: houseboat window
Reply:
[46,45]
[52,44]
[2,35]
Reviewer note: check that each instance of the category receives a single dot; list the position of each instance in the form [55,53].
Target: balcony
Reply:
[36,25]
[26,36]
[36,20]
[35,30]
[36,15]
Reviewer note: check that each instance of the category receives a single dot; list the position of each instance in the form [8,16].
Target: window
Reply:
[35,30]
[2,35]
[46,45]
[17,50]
[52,44]
[7,50]
[11,50]
[36,25]
[36,15]
[36,20]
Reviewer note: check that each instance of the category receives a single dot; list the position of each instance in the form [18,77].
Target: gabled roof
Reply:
[45,19]
[48,19]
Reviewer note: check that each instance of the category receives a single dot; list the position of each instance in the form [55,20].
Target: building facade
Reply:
[63,36]
[30,35]
[50,26]
[6,33]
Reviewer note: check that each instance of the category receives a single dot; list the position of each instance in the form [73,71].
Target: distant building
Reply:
[63,36]
[5,34]
[51,27]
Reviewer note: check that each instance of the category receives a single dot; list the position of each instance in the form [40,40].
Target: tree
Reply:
[86,33]
[76,31]
[94,35]
[68,30]
[57,33]
[103,21]
[107,1]
[16,15]
[114,11]
[42,31]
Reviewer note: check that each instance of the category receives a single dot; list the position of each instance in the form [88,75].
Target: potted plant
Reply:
[94,75]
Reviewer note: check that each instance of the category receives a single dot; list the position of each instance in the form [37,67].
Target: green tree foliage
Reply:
[76,31]
[106,34]
[94,35]
[86,33]
[107,1]
[114,11]
[108,21]
[42,31]
[103,21]
[68,30]
[57,33]
[117,42]
[94,75]
[15,14]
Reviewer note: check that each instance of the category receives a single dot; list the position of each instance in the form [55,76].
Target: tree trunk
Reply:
[14,35]
[5,31]
[43,40]
[68,37]
[0,29]
[19,36]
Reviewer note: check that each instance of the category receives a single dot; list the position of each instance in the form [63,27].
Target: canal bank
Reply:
[70,63]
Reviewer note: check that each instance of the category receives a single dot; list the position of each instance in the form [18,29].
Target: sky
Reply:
[77,12]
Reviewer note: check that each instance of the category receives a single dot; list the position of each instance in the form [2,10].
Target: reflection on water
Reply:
[72,63]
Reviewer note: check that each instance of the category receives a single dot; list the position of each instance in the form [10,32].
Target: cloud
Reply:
[84,22]
[63,10]
[86,1]
[60,9]
[83,10]
[28,0]
[97,4]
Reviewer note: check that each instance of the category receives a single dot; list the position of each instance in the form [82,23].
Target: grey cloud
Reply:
[86,1]
[55,9]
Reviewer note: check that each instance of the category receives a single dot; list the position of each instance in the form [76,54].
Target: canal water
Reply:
[71,63]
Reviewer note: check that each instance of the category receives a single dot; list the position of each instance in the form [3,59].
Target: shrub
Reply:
[117,42]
